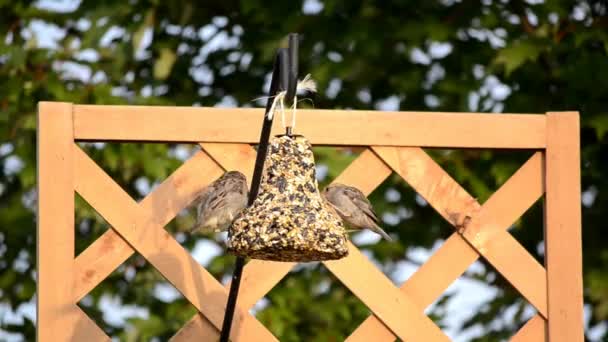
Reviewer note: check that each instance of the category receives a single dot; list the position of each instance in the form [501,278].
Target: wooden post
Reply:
[55,220]
[563,251]
[58,316]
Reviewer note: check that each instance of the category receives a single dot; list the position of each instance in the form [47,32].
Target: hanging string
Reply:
[306,84]
[282,110]
[294,109]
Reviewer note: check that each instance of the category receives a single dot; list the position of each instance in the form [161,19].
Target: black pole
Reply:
[280,81]
[292,82]
[292,79]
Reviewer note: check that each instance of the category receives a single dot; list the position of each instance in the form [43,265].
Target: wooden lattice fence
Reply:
[393,143]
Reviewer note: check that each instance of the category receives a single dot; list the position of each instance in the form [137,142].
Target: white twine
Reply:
[306,84]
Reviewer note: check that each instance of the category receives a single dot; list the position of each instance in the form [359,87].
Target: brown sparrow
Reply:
[353,207]
[220,202]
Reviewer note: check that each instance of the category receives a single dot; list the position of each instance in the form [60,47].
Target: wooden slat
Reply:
[563,251]
[96,262]
[258,278]
[366,172]
[55,231]
[499,247]
[437,187]
[424,286]
[110,250]
[239,157]
[456,255]
[85,329]
[327,127]
[160,249]
[181,188]
[429,180]
[197,329]
[535,330]
[516,265]
[378,293]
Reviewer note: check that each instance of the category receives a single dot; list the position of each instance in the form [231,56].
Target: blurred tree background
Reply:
[486,56]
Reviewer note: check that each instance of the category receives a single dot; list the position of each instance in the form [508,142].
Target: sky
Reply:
[468,295]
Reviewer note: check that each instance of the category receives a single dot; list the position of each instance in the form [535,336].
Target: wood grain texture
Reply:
[96,262]
[563,244]
[253,288]
[356,127]
[498,247]
[140,229]
[517,266]
[535,330]
[430,181]
[198,328]
[56,314]
[110,250]
[240,157]
[456,255]
[394,308]
[85,328]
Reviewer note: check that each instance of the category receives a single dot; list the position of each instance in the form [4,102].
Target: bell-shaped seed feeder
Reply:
[289,220]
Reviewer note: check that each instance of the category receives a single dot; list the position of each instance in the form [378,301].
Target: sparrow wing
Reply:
[202,198]
[361,202]
[211,197]
[228,192]
[340,211]
[217,200]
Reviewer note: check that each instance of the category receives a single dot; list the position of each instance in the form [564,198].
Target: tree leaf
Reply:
[600,123]
[516,54]
[146,24]
[164,63]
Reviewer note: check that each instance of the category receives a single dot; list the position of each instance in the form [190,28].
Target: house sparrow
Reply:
[353,207]
[220,202]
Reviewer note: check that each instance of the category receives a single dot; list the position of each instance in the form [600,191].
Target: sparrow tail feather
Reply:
[382,233]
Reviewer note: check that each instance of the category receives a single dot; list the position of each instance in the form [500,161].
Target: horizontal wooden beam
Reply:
[321,127]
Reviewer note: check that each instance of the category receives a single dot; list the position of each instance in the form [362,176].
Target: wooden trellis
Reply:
[393,142]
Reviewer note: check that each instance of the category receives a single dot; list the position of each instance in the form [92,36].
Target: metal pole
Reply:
[292,82]
[279,82]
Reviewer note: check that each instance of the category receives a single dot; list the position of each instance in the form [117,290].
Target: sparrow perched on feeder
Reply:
[353,207]
[220,202]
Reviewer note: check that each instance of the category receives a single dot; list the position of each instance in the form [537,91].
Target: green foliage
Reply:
[516,54]
[442,56]
[311,305]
